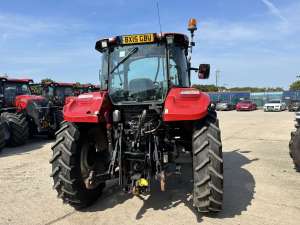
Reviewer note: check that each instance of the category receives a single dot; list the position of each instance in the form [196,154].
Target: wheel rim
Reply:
[87,162]
[91,160]
[87,165]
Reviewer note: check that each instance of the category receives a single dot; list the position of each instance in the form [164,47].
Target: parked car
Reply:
[225,106]
[246,105]
[294,105]
[275,106]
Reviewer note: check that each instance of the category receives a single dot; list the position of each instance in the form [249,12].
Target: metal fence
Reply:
[232,97]
[291,95]
[260,98]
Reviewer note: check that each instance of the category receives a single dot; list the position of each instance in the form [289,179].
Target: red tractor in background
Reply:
[57,93]
[136,127]
[24,114]
[81,89]
[14,126]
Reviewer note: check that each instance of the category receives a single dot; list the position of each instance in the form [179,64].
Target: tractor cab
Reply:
[138,69]
[11,88]
[58,92]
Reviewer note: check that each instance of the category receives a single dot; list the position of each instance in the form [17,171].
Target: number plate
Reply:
[137,39]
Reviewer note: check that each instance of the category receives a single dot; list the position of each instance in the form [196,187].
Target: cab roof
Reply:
[16,80]
[179,38]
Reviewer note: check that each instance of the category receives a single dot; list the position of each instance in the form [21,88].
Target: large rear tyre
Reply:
[18,128]
[2,135]
[207,165]
[295,148]
[75,154]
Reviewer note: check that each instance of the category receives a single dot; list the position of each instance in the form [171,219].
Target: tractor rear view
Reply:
[136,127]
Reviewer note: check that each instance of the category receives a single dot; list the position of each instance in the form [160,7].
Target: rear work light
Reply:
[104,43]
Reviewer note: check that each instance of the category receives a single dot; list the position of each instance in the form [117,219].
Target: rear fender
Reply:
[184,104]
[87,108]
[22,101]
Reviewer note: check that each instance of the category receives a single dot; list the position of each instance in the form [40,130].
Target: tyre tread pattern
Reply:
[2,135]
[294,147]
[18,128]
[208,165]
[66,170]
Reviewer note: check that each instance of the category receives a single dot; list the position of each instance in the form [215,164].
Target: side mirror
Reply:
[203,71]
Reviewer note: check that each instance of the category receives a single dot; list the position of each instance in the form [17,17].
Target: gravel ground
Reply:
[261,186]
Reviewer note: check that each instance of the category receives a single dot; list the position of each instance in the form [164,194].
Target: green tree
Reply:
[295,86]
[206,88]
[47,80]
[36,89]
[77,85]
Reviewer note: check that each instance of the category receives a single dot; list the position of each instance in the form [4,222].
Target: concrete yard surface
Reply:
[260,183]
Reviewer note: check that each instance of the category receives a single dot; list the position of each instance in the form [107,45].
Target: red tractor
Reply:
[24,114]
[56,92]
[14,126]
[135,128]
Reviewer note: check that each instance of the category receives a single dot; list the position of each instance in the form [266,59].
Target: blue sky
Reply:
[252,42]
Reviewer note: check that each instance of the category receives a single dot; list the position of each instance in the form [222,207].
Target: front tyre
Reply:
[207,165]
[18,128]
[2,135]
[75,154]
[294,146]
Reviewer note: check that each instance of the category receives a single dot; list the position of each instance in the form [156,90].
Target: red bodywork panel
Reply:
[87,107]
[69,98]
[22,100]
[185,104]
